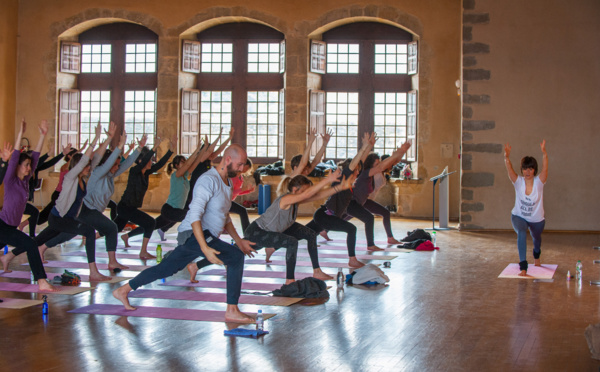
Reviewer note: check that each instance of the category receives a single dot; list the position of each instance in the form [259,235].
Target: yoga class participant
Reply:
[199,236]
[16,191]
[528,212]
[238,189]
[331,215]
[63,216]
[301,163]
[128,208]
[363,208]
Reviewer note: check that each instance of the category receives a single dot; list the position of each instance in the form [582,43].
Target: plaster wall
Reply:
[544,77]
[436,25]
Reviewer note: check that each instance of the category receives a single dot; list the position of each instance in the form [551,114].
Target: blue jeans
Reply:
[231,256]
[520,225]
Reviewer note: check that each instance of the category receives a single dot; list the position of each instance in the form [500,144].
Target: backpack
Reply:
[305,288]
[67,278]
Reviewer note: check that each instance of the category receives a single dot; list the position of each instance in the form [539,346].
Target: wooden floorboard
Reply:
[442,311]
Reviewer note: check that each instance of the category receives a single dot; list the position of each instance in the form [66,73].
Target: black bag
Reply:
[416,235]
[413,244]
[305,288]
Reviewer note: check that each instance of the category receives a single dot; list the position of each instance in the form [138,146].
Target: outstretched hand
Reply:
[66,149]
[123,140]
[142,141]
[211,255]
[543,146]
[246,247]
[44,127]
[347,182]
[507,150]
[6,151]
[334,176]
[327,136]
[112,129]
[312,135]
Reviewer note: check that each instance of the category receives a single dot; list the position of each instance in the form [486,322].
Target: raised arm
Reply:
[544,172]
[43,132]
[6,151]
[325,193]
[162,162]
[394,158]
[90,150]
[366,147]
[22,129]
[312,135]
[319,156]
[291,199]
[224,143]
[512,175]
[99,153]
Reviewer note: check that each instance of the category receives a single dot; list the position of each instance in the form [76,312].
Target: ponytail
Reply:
[288,183]
[175,163]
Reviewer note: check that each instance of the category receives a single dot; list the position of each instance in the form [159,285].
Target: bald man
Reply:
[199,234]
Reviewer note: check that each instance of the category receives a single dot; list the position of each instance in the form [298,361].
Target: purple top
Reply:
[16,191]
[363,187]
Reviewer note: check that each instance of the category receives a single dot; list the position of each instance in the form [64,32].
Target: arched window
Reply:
[239,69]
[116,69]
[366,86]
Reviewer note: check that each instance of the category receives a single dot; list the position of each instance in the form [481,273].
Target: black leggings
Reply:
[113,209]
[126,214]
[23,243]
[323,221]
[360,212]
[45,213]
[242,212]
[169,216]
[34,215]
[71,226]
[378,209]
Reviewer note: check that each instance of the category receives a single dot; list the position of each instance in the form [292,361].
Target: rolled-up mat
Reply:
[158,312]
[33,288]
[84,278]
[18,303]
[212,297]
[222,284]
[533,272]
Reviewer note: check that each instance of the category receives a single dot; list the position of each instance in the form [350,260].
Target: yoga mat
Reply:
[256,261]
[256,274]
[220,284]
[331,247]
[84,265]
[139,247]
[18,303]
[379,243]
[281,252]
[533,272]
[212,297]
[158,312]
[84,278]
[105,255]
[158,241]
[33,288]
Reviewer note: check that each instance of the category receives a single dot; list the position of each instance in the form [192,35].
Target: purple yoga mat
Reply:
[332,247]
[105,255]
[220,284]
[84,265]
[27,275]
[156,312]
[281,252]
[33,288]
[212,297]
[138,247]
[256,261]
[256,274]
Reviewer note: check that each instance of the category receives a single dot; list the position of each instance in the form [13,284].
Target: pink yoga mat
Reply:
[256,261]
[256,274]
[137,247]
[84,265]
[221,284]
[281,252]
[332,247]
[212,297]
[157,312]
[33,288]
[105,255]
[84,278]
[533,272]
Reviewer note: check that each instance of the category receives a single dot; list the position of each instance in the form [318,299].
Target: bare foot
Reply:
[98,236]
[23,224]
[193,269]
[354,263]
[97,277]
[42,248]
[116,265]
[374,248]
[233,314]
[43,285]
[392,240]
[537,262]
[523,273]
[325,236]
[125,239]
[82,241]
[121,295]
[6,261]
[269,252]
[289,281]
[319,274]
[146,256]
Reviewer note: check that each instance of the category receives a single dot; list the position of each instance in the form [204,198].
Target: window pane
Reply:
[140,58]
[342,58]
[215,112]
[344,141]
[94,107]
[391,59]
[260,54]
[95,58]
[390,121]
[263,123]
[140,110]
[217,57]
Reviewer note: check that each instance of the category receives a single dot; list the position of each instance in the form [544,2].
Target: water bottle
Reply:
[433,238]
[158,253]
[45,305]
[260,322]
[6,249]
[578,270]
[340,279]
[568,274]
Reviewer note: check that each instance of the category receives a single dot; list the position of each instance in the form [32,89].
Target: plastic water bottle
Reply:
[578,270]
[433,238]
[6,249]
[45,305]
[260,321]
[340,279]
[158,253]
[568,274]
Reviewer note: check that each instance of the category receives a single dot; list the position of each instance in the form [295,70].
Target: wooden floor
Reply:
[442,311]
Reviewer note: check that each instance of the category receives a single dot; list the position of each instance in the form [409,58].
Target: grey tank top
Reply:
[275,219]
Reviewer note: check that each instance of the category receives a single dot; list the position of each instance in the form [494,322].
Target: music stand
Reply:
[444,201]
